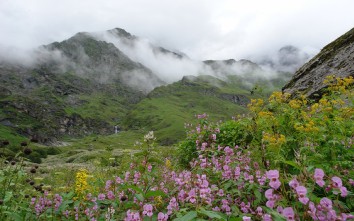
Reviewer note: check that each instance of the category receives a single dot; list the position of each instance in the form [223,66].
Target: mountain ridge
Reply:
[87,85]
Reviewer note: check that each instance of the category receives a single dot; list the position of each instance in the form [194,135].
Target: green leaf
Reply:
[137,189]
[140,197]
[154,193]
[8,196]
[189,216]
[154,160]
[292,163]
[14,216]
[235,219]
[211,214]
[69,195]
[258,197]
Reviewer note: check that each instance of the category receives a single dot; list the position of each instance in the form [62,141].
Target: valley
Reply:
[91,129]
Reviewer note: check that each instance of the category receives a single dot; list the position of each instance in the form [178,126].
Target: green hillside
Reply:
[167,108]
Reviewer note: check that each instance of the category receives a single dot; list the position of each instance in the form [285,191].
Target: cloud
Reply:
[167,65]
[203,29]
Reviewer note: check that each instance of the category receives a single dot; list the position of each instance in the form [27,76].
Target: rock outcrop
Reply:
[337,58]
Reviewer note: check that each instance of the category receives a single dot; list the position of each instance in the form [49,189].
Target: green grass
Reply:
[97,151]
[7,133]
[100,106]
[167,108]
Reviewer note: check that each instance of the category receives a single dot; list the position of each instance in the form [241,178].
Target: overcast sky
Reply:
[203,29]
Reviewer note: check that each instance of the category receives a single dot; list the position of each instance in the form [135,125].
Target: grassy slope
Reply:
[167,108]
[100,106]
[7,133]
[101,150]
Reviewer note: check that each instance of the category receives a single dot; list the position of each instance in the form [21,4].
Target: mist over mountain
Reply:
[117,55]
[92,82]
[171,66]
[287,59]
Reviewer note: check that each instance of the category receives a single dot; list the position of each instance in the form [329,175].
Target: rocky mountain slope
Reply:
[337,58]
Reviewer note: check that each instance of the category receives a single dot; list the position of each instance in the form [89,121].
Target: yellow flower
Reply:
[81,182]
[276,139]
[168,163]
[295,104]
[158,200]
[255,104]
[265,114]
[338,84]
[278,97]
[306,127]
[314,108]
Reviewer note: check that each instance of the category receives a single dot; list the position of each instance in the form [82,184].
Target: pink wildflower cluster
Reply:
[324,211]
[132,216]
[222,180]
[43,203]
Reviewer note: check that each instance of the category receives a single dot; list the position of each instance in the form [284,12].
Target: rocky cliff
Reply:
[337,58]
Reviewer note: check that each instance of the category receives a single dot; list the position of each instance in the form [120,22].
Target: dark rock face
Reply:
[337,58]
[238,99]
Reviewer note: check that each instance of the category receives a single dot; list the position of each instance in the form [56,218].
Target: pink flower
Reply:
[326,203]
[225,206]
[293,183]
[162,217]
[351,182]
[267,217]
[337,182]
[147,210]
[132,216]
[319,174]
[301,192]
[173,205]
[269,194]
[192,195]
[280,209]
[273,176]
[288,212]
[246,218]
[344,191]
[149,167]
[101,196]
[108,184]
[110,195]
[270,204]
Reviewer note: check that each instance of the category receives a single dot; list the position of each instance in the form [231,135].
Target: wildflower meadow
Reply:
[288,159]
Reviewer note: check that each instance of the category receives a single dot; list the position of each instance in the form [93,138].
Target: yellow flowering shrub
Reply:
[278,97]
[273,139]
[168,163]
[337,84]
[295,104]
[81,185]
[255,105]
[306,127]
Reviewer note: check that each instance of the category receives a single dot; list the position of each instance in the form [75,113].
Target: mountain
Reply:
[132,40]
[92,82]
[73,88]
[335,58]
[287,59]
[102,62]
